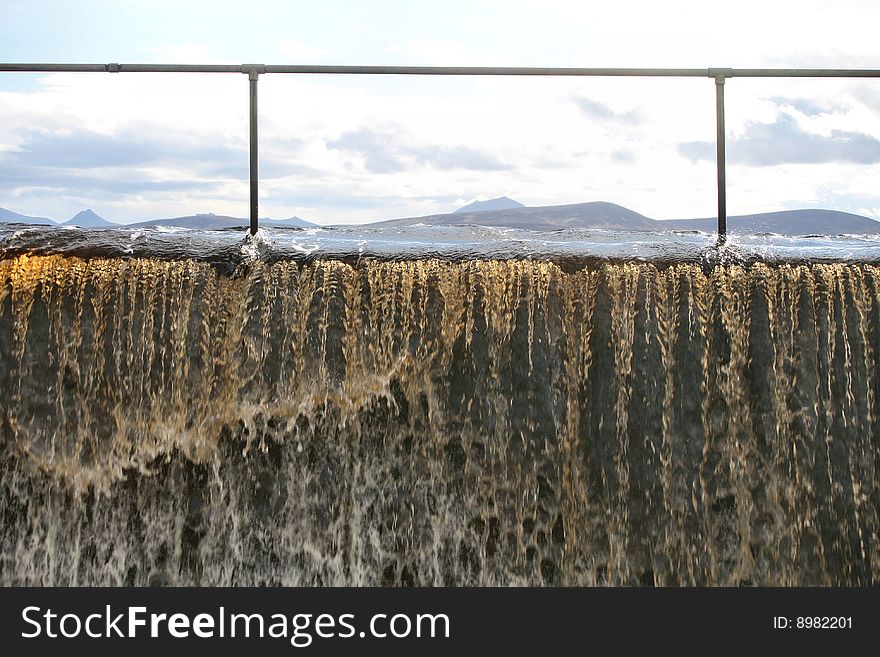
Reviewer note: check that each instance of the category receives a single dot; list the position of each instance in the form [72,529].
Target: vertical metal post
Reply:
[720,158]
[253,77]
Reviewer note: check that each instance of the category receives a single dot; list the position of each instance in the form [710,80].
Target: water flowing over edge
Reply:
[438,422]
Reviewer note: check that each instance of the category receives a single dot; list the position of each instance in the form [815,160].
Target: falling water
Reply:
[435,422]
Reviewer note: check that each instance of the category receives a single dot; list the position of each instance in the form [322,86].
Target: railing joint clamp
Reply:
[253,70]
[720,74]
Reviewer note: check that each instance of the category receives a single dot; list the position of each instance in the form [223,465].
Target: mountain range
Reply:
[610,216]
[208,220]
[507,213]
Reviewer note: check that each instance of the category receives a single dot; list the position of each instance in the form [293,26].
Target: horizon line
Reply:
[436,214]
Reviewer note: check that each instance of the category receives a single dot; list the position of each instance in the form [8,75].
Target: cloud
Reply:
[138,146]
[330,196]
[139,160]
[380,153]
[132,164]
[785,142]
[388,152]
[854,200]
[599,110]
[65,181]
[623,156]
[870,96]
[698,150]
[809,107]
[457,157]
[80,151]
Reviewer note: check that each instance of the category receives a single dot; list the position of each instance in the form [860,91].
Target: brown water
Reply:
[435,422]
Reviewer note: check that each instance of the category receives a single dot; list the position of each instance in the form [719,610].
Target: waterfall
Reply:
[432,422]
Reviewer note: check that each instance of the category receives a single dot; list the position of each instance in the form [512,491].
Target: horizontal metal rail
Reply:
[253,71]
[446,70]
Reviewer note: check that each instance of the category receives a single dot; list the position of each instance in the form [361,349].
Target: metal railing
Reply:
[254,71]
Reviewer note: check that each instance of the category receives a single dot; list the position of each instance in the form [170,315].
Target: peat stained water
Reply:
[271,416]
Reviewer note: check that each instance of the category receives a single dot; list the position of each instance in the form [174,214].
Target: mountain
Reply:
[610,216]
[787,222]
[10,217]
[88,219]
[205,220]
[292,222]
[579,215]
[209,220]
[500,203]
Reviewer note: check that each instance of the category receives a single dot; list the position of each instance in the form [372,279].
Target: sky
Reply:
[353,149]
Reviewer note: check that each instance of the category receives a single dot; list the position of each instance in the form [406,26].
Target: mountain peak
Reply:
[87,219]
[500,203]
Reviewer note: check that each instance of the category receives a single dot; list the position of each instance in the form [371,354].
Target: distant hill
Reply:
[579,215]
[205,220]
[787,222]
[209,220]
[292,222]
[8,216]
[500,203]
[88,219]
[611,216]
